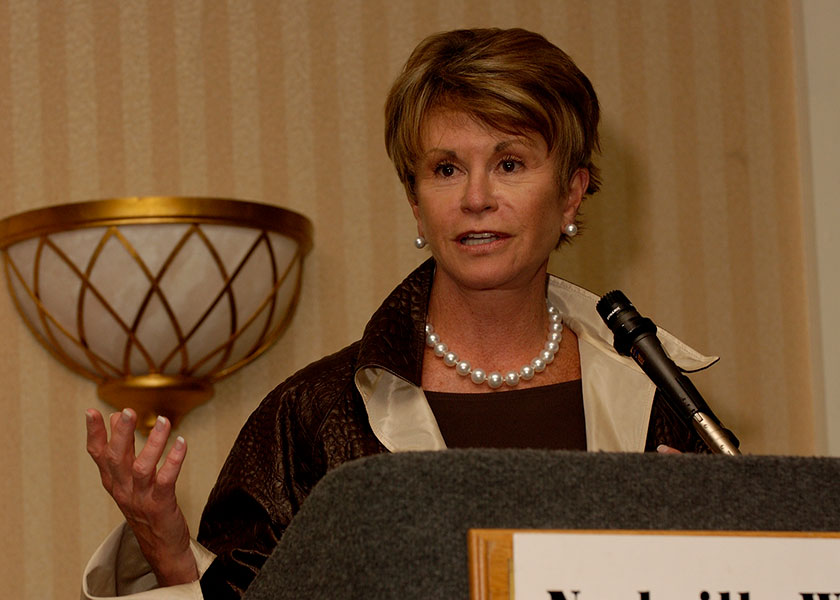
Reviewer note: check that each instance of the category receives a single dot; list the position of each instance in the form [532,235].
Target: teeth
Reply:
[474,239]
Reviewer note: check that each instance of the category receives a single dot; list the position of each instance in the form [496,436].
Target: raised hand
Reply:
[144,493]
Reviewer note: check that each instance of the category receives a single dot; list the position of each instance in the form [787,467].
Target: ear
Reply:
[577,189]
[415,209]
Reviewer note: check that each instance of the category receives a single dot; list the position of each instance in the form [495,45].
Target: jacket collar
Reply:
[394,338]
[617,395]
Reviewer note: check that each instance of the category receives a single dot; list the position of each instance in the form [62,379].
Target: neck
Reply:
[498,327]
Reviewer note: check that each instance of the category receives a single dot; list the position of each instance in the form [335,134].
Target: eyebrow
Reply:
[497,148]
[446,153]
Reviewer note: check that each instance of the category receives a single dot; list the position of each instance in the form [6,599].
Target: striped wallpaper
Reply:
[699,220]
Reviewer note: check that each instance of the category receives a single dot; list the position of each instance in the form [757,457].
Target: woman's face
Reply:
[489,202]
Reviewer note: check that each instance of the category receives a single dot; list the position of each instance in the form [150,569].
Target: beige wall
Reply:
[699,222]
[817,48]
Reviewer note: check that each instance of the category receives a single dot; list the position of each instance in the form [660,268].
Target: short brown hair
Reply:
[512,80]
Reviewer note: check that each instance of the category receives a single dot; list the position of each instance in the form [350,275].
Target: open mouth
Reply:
[476,239]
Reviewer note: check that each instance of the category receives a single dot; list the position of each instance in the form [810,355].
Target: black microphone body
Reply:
[635,336]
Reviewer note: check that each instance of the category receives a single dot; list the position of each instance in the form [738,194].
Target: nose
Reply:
[478,195]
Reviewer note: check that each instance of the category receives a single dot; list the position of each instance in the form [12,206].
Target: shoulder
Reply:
[313,390]
[291,415]
[326,370]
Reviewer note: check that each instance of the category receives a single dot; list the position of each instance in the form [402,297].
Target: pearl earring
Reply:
[419,242]
[570,230]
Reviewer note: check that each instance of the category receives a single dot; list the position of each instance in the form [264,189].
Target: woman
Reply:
[492,134]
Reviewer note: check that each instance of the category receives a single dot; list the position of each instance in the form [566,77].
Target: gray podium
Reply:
[395,526]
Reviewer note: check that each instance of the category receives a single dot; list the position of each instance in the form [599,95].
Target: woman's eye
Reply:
[509,165]
[445,170]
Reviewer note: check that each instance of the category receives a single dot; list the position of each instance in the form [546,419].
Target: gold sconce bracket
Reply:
[154,394]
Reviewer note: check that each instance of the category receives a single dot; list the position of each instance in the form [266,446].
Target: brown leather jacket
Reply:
[315,421]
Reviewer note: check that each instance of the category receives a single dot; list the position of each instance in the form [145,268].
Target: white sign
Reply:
[610,565]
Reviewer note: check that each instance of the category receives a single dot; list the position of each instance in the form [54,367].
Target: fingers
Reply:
[97,437]
[125,476]
[122,432]
[663,449]
[119,455]
[97,443]
[144,467]
[169,471]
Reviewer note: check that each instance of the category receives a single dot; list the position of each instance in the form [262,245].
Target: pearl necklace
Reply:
[495,379]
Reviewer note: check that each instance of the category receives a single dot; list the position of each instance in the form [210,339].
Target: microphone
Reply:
[635,336]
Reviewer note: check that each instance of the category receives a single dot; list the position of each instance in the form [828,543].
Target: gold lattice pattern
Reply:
[73,343]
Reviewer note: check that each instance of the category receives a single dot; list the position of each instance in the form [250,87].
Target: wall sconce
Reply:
[156,298]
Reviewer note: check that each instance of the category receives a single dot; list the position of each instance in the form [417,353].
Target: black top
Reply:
[547,417]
